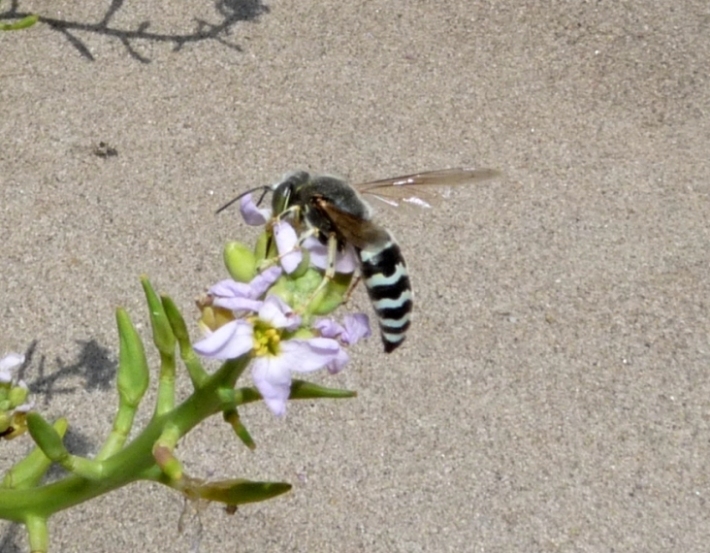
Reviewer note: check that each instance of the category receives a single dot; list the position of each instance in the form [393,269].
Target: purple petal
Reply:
[238,304]
[338,364]
[279,314]
[272,378]
[328,328]
[263,281]
[357,326]
[309,355]
[227,342]
[232,295]
[287,246]
[229,288]
[345,261]
[253,214]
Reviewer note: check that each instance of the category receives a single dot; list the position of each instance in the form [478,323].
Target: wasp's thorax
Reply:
[302,193]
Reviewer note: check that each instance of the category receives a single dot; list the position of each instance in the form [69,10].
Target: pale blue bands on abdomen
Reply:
[384,272]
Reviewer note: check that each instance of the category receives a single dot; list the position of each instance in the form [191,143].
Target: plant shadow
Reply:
[95,364]
[229,13]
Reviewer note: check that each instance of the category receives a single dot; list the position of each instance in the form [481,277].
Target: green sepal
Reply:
[238,492]
[28,472]
[23,23]
[301,389]
[240,261]
[133,374]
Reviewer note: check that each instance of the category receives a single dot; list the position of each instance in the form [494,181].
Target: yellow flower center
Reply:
[266,339]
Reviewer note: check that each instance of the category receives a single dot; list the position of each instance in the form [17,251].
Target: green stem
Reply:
[132,463]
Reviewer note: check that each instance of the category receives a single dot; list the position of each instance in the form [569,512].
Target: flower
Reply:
[238,321]
[269,337]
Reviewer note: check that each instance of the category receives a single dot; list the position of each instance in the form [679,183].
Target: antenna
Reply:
[265,188]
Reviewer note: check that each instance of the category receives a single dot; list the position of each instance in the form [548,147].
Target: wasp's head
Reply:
[287,193]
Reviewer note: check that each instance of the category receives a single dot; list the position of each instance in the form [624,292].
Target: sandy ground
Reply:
[553,394]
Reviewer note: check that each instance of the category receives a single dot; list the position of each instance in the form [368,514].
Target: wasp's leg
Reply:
[330,267]
[329,292]
[351,288]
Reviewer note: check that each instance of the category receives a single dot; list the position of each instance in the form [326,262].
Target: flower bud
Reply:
[240,261]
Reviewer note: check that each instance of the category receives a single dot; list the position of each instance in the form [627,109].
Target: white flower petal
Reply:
[229,341]
[8,364]
[287,246]
[11,361]
[272,378]
[278,314]
[309,355]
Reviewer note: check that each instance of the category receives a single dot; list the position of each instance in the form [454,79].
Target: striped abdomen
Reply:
[387,281]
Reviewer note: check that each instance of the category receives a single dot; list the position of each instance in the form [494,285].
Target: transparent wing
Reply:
[423,189]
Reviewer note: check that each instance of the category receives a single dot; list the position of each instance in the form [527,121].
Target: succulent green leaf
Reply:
[163,336]
[301,389]
[133,374]
[47,437]
[28,472]
[198,375]
[232,417]
[238,492]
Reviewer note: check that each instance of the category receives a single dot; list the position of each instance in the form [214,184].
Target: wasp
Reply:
[336,212]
